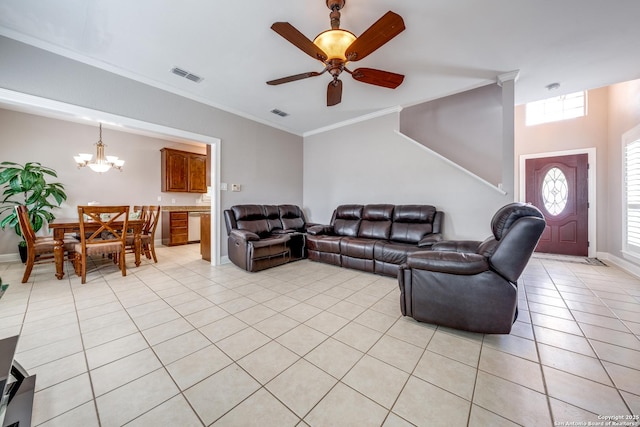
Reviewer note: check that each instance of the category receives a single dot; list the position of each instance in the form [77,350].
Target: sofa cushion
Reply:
[292,217]
[269,246]
[251,218]
[376,222]
[357,247]
[247,212]
[412,222]
[272,214]
[347,220]
[328,244]
[393,252]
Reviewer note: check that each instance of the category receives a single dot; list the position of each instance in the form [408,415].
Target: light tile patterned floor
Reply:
[180,343]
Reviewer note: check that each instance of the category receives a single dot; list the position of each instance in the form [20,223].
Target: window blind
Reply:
[632,193]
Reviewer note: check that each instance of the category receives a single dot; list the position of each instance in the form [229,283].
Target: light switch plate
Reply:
[223,186]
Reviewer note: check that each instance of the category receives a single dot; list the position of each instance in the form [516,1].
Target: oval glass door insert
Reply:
[555,191]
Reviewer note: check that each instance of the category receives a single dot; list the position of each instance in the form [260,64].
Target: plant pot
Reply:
[23,253]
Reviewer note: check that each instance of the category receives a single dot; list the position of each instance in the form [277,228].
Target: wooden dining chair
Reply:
[148,234]
[103,230]
[139,212]
[39,249]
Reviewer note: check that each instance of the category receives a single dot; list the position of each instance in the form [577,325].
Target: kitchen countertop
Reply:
[177,208]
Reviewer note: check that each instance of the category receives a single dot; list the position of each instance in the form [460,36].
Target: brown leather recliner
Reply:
[254,243]
[264,236]
[472,285]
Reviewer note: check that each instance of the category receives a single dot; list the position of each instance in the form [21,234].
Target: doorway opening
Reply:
[68,112]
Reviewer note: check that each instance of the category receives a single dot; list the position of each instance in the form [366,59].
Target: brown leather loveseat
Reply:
[264,236]
[376,238]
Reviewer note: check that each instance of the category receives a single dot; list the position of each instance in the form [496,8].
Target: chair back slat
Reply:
[142,209]
[26,228]
[153,215]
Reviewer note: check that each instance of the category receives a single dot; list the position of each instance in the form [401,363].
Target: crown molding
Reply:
[506,77]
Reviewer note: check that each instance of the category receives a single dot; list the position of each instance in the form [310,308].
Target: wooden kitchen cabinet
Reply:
[197,182]
[175,228]
[182,171]
[205,236]
[208,165]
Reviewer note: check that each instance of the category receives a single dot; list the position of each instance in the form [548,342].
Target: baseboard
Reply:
[10,257]
[224,260]
[622,264]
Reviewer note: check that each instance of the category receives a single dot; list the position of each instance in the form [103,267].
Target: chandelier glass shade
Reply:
[101,163]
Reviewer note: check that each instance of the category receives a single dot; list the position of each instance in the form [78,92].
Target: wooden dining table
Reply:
[60,226]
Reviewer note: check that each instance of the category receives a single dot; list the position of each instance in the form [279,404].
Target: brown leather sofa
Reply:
[264,236]
[472,285]
[376,238]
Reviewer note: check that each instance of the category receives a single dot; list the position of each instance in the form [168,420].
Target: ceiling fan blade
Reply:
[378,77]
[298,39]
[383,30]
[293,78]
[334,92]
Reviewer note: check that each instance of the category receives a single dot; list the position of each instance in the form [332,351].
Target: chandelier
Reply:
[101,163]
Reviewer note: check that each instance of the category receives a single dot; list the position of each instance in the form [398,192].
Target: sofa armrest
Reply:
[430,240]
[271,241]
[464,246]
[320,229]
[244,235]
[281,232]
[448,262]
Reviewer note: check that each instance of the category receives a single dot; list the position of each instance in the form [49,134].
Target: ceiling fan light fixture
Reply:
[335,43]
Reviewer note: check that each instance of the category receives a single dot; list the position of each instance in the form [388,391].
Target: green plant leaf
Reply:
[37,222]
[7,174]
[27,185]
[16,185]
[49,171]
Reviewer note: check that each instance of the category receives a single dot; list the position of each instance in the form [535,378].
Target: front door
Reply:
[559,187]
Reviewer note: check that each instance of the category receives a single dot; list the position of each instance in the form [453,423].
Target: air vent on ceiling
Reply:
[186,74]
[279,112]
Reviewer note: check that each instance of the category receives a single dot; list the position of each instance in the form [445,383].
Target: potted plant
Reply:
[27,185]
[2,287]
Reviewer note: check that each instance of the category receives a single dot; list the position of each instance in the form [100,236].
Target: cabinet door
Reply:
[197,173]
[175,168]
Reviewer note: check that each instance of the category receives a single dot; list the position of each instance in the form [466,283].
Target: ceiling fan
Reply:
[336,47]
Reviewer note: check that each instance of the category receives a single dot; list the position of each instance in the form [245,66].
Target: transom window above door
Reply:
[555,109]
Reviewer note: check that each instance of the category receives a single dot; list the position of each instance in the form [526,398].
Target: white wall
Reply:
[368,162]
[443,126]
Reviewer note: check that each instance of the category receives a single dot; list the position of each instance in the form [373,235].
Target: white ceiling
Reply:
[447,47]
